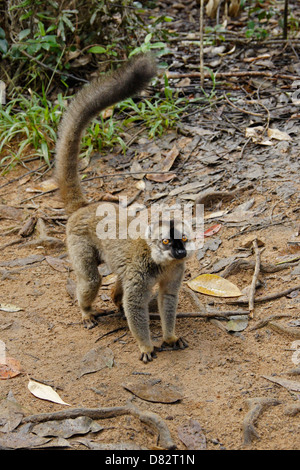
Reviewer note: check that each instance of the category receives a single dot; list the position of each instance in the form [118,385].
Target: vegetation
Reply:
[48,50]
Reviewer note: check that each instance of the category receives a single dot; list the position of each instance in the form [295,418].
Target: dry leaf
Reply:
[47,185]
[67,427]
[23,261]
[168,161]
[215,215]
[289,384]
[153,391]
[11,413]
[237,323]
[258,135]
[184,82]
[212,284]
[95,360]
[45,392]
[248,242]
[212,230]
[10,308]
[9,212]
[57,264]
[192,435]
[108,112]
[9,368]
[212,7]
[108,280]
[278,135]
[21,440]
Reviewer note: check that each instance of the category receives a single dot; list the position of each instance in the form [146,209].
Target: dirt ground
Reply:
[216,374]
[221,369]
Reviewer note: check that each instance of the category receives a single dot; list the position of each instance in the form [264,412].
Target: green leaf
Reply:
[23,34]
[33,48]
[97,50]
[148,38]
[45,152]
[3,46]
[68,23]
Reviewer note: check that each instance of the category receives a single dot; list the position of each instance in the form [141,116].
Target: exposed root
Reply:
[256,407]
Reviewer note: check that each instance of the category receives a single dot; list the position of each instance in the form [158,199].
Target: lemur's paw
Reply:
[178,343]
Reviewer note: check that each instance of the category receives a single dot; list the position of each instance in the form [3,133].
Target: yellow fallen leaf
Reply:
[109,279]
[45,392]
[47,185]
[259,136]
[10,308]
[278,135]
[212,284]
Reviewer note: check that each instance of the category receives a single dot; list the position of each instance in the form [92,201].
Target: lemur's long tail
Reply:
[87,104]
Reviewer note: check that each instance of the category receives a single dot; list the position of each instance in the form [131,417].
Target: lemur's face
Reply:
[169,241]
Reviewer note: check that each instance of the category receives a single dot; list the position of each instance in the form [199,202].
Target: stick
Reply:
[212,314]
[241,109]
[254,278]
[285,19]
[267,297]
[248,73]
[287,330]
[201,44]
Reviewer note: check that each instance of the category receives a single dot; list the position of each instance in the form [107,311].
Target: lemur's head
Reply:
[169,240]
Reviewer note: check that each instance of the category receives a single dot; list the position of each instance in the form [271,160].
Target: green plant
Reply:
[3,42]
[47,40]
[102,134]
[159,114]
[148,46]
[28,124]
[259,16]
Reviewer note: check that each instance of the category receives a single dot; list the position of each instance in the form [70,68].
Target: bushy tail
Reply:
[87,104]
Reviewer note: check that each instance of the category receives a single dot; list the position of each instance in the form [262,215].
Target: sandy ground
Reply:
[215,375]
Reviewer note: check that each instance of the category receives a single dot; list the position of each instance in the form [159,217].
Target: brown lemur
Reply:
[139,263]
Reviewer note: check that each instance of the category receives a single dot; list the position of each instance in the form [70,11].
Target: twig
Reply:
[204,314]
[267,297]
[110,332]
[241,109]
[47,67]
[22,176]
[127,173]
[265,321]
[40,194]
[285,19]
[244,146]
[254,278]
[13,242]
[287,330]
[248,73]
[201,44]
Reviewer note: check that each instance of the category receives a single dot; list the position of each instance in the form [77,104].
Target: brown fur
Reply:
[138,263]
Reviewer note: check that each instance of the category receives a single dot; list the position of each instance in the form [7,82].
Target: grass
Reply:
[29,124]
[28,127]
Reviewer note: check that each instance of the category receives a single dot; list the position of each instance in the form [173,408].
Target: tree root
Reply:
[256,407]
[292,410]
[151,419]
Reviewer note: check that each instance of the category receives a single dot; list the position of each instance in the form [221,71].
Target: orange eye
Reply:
[166,241]
[184,238]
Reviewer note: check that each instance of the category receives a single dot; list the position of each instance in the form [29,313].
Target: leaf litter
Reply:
[223,159]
